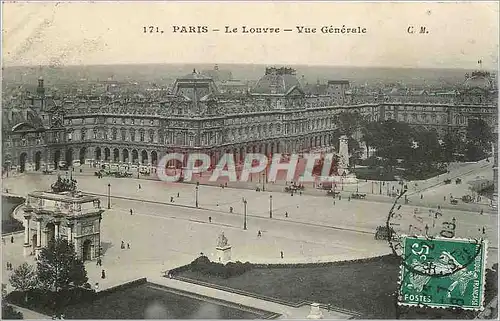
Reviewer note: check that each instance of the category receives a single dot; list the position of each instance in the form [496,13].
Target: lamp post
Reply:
[263,179]
[380,187]
[357,186]
[109,196]
[270,206]
[244,214]
[196,196]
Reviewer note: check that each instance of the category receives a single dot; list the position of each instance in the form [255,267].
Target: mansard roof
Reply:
[277,81]
[20,120]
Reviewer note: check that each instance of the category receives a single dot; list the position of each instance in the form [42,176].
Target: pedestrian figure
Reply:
[291,194]
[96,286]
[178,194]
[300,193]
[217,203]
[171,199]
[484,230]
[130,211]
[334,202]
[349,199]
[286,214]
[225,184]
[259,234]
[128,246]
[97,262]
[122,245]
[210,219]
[8,266]
[481,211]
[139,186]
[12,239]
[340,198]
[103,274]
[281,253]
[421,196]
[230,209]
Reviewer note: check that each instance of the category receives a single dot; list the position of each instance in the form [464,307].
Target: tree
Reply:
[479,133]
[58,267]
[8,313]
[452,144]
[24,279]
[355,150]
[479,139]
[349,123]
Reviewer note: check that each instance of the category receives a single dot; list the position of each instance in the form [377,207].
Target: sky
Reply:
[102,33]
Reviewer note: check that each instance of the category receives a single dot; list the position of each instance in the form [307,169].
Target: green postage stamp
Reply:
[443,272]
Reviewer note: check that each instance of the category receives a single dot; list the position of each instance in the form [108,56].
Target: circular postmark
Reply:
[425,241]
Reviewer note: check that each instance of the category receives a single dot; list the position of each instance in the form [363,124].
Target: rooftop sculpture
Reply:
[64,185]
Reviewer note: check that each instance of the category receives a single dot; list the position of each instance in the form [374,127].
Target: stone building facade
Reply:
[275,116]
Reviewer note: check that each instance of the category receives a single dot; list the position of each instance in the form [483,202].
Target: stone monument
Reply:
[223,249]
[63,213]
[343,176]
[315,312]
[343,156]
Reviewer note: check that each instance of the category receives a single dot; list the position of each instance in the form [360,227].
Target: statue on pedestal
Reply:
[222,240]
[223,249]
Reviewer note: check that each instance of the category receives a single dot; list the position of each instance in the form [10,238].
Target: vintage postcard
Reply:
[249,160]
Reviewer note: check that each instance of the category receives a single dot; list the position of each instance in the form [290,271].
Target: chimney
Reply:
[41,89]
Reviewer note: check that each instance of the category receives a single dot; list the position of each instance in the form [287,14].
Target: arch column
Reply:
[26,249]
[56,229]
[70,232]
[39,233]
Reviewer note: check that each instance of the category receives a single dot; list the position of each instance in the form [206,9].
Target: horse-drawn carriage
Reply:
[453,201]
[458,181]
[467,199]
[358,196]
[447,181]
[383,233]
[122,174]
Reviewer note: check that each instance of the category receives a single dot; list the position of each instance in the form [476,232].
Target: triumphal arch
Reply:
[64,213]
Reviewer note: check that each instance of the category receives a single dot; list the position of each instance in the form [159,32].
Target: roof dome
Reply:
[18,119]
[479,79]
[278,81]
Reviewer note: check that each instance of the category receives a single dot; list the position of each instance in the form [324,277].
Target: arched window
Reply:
[141,132]
[124,134]
[132,135]
[113,133]
[151,135]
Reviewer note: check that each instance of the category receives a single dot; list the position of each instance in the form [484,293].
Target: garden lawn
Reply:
[365,286]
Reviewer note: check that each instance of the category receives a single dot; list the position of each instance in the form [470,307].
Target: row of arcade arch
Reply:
[143,157]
